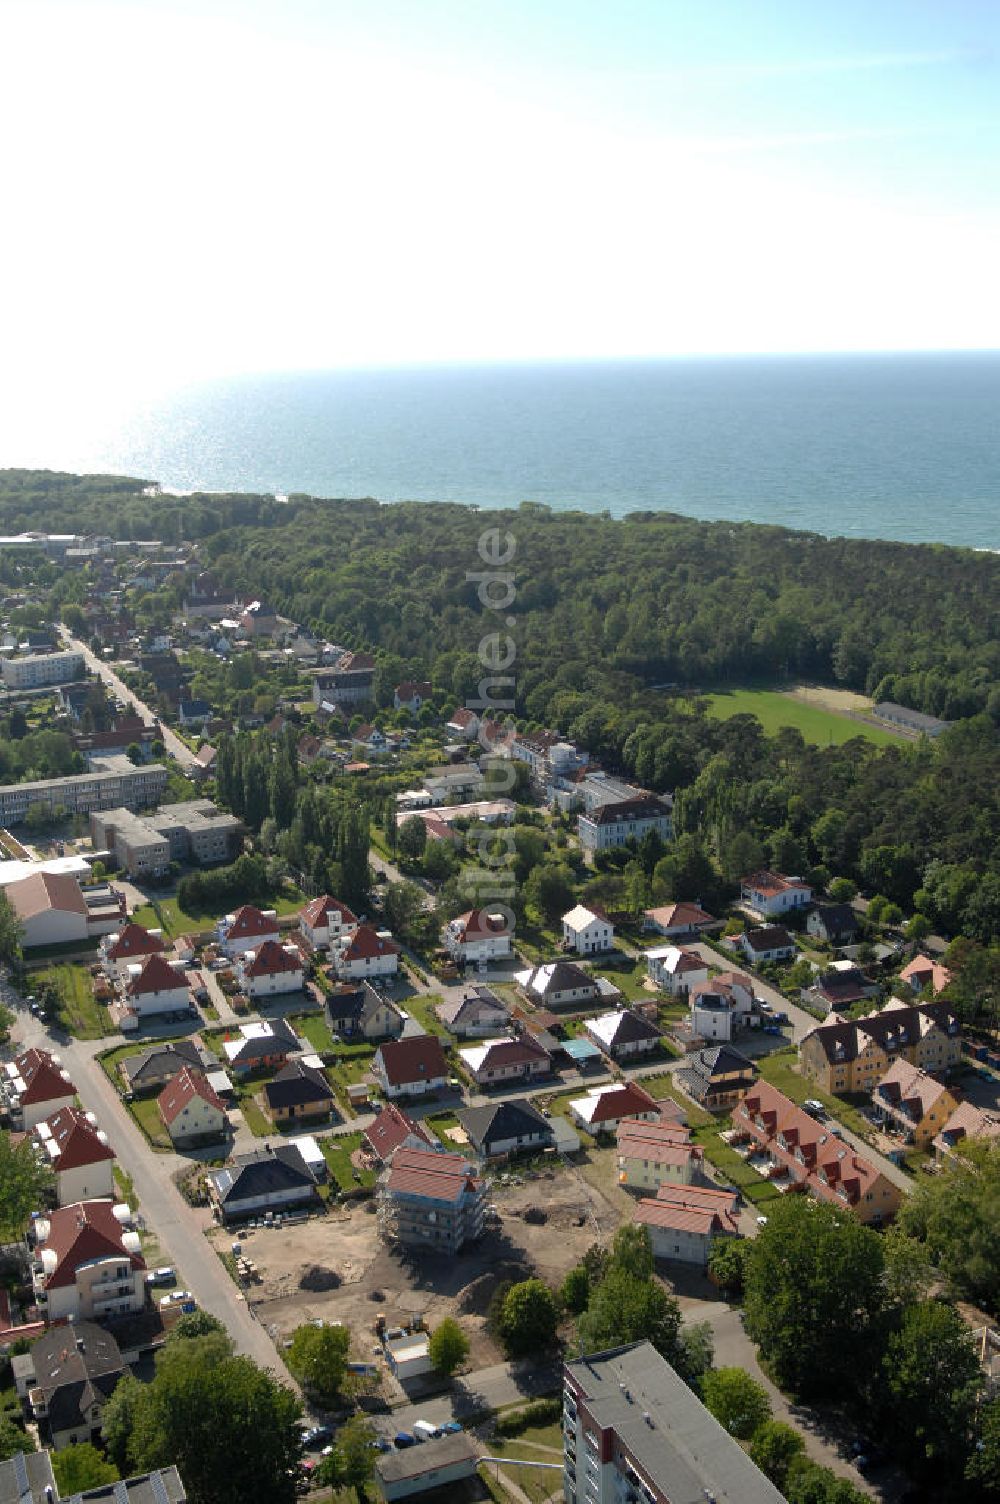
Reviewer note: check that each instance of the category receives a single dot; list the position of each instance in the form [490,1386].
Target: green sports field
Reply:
[821,727]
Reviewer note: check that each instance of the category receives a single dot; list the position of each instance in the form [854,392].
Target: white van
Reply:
[424,1430]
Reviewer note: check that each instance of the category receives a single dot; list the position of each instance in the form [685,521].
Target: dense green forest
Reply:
[604,611]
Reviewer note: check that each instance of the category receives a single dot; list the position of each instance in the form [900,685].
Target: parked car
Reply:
[403,1439]
[165,1275]
[177,1298]
[815,1109]
[450,1428]
[316,1437]
[424,1430]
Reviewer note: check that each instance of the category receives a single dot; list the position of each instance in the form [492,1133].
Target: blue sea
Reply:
[886,446]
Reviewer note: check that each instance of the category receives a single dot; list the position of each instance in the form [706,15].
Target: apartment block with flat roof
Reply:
[111,781]
[35,670]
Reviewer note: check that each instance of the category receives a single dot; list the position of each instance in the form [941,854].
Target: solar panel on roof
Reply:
[159,1487]
[21,1475]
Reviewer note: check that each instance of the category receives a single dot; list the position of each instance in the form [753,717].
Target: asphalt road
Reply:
[177,1226]
[179,750]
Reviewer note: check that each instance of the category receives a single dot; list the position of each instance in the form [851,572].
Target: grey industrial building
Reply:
[145,845]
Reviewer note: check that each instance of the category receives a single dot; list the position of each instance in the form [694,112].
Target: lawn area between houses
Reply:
[337,1153]
[779,1070]
[422,1006]
[79,1011]
[147,1115]
[314,1028]
[166,914]
[774,710]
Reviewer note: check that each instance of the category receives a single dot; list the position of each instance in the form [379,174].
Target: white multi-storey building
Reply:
[36,670]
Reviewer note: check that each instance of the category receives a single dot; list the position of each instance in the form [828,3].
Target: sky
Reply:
[201,188]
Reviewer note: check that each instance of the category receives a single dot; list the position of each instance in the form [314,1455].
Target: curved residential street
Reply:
[178,750]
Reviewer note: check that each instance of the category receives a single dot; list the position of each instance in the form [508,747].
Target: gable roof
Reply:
[36,1076]
[720,1060]
[411,687]
[71,1139]
[622,1027]
[44,891]
[675,960]
[268,1036]
[838,918]
[133,940]
[406,1061]
[367,944]
[647,807]
[275,1168]
[156,975]
[769,937]
[923,969]
[678,915]
[504,1120]
[480,1003]
[560,976]
[478,924]
[906,1085]
[165,1059]
[298,1085]
[659,1143]
[181,1092]
[492,1054]
[316,913]
[391,1128]
[430,1175]
[79,1234]
[825,1163]
[605,1104]
[580,917]
[771,884]
[75,1367]
[272,959]
[968,1121]
[249,921]
[897,1023]
[690,1208]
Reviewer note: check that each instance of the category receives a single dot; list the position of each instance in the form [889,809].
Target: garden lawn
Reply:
[774,710]
[314,1028]
[337,1153]
[147,1115]
[733,1169]
[422,1006]
[779,1070]
[167,914]
[79,1012]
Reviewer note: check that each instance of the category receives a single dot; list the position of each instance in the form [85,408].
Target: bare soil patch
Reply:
[839,700]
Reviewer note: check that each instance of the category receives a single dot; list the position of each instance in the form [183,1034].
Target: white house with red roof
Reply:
[153,986]
[270,969]
[478,935]
[191,1110]
[413,1067]
[655,1154]
[464,724]
[33,1086]
[248,928]
[78,1153]
[325,921]
[503,1060]
[391,1130]
[411,694]
[769,895]
[925,975]
[604,1107]
[367,952]
[130,944]
[675,969]
[685,1221]
[674,920]
[88,1262]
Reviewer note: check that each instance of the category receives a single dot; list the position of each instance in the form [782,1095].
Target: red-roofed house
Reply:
[684,1221]
[325,920]
[366,953]
[411,694]
[478,935]
[88,1263]
[675,969]
[917,1102]
[79,1154]
[798,1154]
[925,975]
[412,1067]
[33,1086]
[248,928]
[604,1107]
[431,1200]
[503,1060]
[131,943]
[769,895]
[464,724]
[655,1154]
[391,1130]
[270,969]
[192,1112]
[155,985]
[677,919]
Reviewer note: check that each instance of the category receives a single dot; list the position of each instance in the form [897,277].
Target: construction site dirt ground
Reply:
[546,1225]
